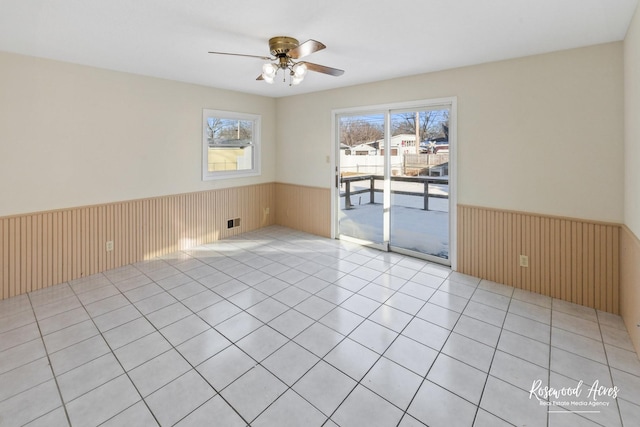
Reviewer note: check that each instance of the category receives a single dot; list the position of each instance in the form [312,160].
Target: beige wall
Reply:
[72,135]
[630,261]
[632,125]
[539,134]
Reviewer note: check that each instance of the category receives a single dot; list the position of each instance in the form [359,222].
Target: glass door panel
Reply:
[419,211]
[361,175]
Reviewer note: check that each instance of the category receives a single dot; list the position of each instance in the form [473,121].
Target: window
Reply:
[230,144]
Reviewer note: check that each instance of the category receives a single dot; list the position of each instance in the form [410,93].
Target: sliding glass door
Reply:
[393,179]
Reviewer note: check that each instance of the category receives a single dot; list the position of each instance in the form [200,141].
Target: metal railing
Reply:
[347,180]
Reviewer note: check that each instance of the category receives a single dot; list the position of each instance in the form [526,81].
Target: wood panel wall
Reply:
[574,260]
[570,259]
[45,248]
[304,208]
[630,283]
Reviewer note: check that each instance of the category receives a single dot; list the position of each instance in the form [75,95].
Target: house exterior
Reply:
[400,144]
[365,158]
[366,149]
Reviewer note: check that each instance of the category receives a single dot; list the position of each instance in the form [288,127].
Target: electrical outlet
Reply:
[266,211]
[236,222]
[524,261]
[230,223]
[109,246]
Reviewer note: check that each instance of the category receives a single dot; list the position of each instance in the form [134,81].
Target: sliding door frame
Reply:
[451,103]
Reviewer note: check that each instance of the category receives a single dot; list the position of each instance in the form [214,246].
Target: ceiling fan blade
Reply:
[266,58]
[260,77]
[306,48]
[322,69]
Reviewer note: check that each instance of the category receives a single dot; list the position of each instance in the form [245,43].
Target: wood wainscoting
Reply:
[45,248]
[304,208]
[630,283]
[570,259]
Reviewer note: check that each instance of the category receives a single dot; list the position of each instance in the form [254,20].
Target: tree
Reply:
[360,130]
[214,126]
[220,130]
[431,124]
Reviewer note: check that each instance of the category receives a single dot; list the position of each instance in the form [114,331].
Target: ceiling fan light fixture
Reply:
[269,72]
[299,71]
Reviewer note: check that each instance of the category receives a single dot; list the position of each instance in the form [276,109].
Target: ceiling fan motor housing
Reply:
[279,46]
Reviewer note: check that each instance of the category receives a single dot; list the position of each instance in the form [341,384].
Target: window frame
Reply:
[256,158]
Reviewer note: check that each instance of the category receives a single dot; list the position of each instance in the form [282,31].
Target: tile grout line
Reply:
[606,355]
[112,350]
[55,377]
[345,337]
[217,392]
[438,355]
[116,358]
[495,350]
[266,324]
[322,359]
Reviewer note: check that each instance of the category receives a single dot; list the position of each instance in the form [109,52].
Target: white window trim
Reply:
[256,143]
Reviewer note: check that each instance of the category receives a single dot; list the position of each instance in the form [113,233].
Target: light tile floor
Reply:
[281,328]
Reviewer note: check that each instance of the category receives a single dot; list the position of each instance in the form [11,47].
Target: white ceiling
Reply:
[370,40]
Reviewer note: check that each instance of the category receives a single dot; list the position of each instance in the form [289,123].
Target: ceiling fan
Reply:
[284,50]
